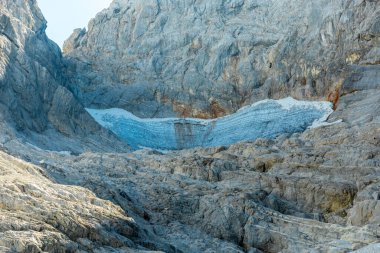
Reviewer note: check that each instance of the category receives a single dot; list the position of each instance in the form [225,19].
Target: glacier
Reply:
[264,119]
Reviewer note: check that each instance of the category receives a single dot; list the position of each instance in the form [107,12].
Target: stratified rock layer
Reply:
[37,215]
[33,100]
[312,192]
[205,59]
[316,191]
[265,119]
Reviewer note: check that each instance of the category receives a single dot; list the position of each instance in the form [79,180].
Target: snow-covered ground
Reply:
[264,119]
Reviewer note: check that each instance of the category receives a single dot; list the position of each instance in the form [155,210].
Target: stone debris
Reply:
[69,185]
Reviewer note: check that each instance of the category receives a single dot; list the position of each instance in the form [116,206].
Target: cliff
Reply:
[209,58]
[66,187]
[33,99]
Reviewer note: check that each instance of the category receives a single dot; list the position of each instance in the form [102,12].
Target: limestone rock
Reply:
[38,215]
[207,59]
[315,191]
[33,99]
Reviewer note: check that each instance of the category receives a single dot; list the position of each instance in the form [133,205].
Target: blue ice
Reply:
[264,119]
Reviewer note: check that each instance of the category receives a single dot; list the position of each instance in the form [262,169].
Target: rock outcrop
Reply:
[33,98]
[315,191]
[207,59]
[37,215]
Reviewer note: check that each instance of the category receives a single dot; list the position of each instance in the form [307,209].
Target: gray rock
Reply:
[33,98]
[209,58]
[315,191]
[38,215]
[373,248]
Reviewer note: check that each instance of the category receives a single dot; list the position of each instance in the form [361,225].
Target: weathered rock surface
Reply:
[310,192]
[316,191]
[209,58]
[33,100]
[37,215]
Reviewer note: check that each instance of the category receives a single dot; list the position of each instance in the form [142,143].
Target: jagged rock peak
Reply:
[26,12]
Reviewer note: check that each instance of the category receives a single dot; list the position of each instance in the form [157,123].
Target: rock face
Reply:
[205,59]
[40,216]
[265,119]
[315,191]
[28,78]
[33,99]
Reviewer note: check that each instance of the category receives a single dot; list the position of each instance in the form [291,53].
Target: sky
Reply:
[64,16]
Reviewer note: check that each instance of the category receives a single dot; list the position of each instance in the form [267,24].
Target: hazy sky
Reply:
[64,16]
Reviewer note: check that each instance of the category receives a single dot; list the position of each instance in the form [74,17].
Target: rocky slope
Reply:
[316,191]
[312,192]
[209,58]
[38,215]
[33,99]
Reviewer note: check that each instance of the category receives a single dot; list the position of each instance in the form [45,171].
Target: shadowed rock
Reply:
[33,99]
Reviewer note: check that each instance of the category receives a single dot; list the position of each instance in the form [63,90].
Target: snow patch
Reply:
[322,123]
